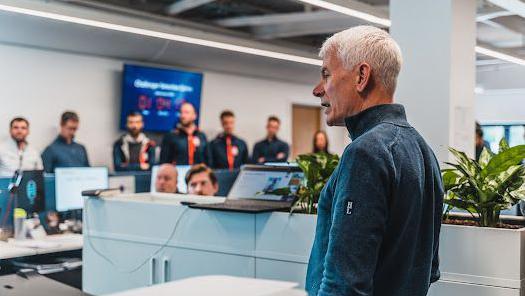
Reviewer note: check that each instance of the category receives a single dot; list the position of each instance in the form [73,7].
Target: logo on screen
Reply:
[31,190]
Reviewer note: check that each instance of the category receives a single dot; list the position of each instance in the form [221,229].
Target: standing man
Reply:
[15,152]
[186,145]
[480,142]
[379,215]
[64,151]
[271,149]
[134,151]
[228,151]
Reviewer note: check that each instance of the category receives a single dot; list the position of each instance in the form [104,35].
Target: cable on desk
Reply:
[172,235]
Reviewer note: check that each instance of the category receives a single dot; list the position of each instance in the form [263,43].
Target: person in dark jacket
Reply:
[64,151]
[227,150]
[271,149]
[379,215]
[480,142]
[134,151]
[186,145]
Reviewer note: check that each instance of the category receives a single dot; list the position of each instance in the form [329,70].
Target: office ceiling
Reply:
[296,25]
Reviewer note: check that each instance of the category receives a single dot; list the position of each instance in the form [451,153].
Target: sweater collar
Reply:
[365,120]
[62,140]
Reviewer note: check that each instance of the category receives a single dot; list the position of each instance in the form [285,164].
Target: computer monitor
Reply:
[70,182]
[181,175]
[254,180]
[30,194]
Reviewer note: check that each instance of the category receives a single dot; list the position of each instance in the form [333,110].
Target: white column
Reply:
[437,80]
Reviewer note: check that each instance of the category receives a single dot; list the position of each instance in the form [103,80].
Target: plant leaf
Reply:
[503,160]
[485,157]
[503,145]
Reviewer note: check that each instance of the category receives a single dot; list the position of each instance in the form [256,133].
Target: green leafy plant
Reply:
[317,168]
[487,186]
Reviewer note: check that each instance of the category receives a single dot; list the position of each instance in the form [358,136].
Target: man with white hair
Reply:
[379,215]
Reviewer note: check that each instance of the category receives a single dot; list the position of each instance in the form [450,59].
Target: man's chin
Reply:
[334,122]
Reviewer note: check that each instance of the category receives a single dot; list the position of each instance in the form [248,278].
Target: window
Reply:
[513,133]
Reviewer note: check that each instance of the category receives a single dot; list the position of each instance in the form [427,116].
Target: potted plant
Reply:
[288,238]
[317,169]
[483,260]
[485,187]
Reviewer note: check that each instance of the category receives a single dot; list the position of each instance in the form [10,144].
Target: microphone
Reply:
[17,176]
[99,193]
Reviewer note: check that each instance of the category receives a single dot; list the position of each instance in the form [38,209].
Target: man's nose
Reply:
[318,91]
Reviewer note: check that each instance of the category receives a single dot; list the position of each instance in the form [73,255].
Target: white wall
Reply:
[501,106]
[41,84]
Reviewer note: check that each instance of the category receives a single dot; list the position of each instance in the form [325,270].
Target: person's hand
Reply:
[260,160]
[144,166]
[280,155]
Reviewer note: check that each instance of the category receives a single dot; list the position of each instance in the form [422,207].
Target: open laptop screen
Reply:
[254,180]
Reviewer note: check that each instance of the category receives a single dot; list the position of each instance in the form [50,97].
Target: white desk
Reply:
[218,286]
[60,243]
[8,251]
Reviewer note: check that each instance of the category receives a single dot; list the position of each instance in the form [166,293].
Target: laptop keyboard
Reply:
[250,205]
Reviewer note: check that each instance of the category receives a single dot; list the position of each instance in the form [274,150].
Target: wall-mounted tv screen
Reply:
[158,94]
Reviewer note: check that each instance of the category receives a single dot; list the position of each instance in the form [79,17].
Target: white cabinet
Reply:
[177,263]
[446,288]
[281,270]
[111,266]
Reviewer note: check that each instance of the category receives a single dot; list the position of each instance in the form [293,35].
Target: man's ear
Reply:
[364,72]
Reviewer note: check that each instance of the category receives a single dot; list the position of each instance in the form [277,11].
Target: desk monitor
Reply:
[31,192]
[70,182]
[255,179]
[181,178]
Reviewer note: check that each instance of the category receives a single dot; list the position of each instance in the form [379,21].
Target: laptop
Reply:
[249,193]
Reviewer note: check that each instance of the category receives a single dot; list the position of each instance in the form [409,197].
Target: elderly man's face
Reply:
[166,180]
[338,90]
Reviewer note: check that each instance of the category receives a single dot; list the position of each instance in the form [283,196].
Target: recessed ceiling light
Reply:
[163,35]
[348,11]
[387,23]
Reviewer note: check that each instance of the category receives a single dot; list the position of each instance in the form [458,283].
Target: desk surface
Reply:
[218,286]
[49,244]
[14,285]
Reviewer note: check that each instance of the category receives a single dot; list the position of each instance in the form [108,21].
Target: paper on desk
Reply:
[34,244]
[214,285]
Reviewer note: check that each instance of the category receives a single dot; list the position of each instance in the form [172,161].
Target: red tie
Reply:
[229,153]
[191,149]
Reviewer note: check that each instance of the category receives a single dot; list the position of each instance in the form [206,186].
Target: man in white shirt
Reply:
[16,153]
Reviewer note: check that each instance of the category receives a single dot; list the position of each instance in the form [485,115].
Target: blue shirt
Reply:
[379,215]
[61,154]
[269,150]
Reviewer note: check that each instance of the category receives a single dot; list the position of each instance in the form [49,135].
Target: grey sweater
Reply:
[379,216]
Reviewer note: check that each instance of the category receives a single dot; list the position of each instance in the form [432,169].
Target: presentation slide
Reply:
[158,94]
[253,184]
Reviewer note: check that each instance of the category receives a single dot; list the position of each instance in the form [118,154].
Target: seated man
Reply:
[202,181]
[166,180]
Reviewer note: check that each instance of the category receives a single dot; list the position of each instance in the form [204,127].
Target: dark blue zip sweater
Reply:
[379,215]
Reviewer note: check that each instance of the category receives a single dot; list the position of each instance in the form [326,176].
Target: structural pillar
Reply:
[437,79]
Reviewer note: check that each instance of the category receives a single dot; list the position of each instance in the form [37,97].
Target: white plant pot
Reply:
[480,261]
